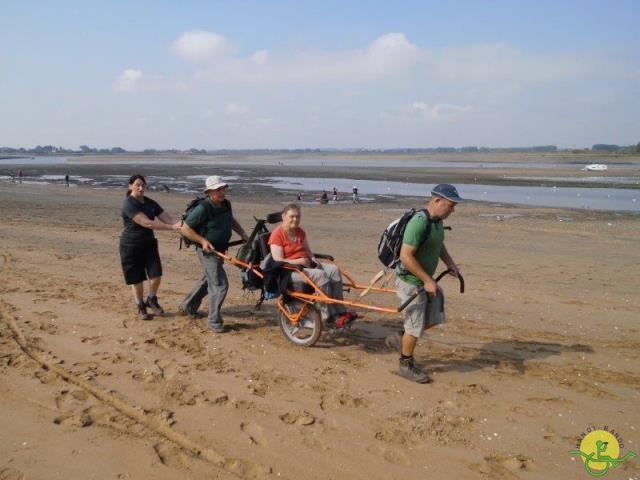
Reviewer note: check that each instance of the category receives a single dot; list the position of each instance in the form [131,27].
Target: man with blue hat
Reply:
[422,248]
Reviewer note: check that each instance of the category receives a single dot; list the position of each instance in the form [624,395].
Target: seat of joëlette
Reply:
[295,284]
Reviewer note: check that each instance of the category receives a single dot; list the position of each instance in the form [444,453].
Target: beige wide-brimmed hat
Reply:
[214,183]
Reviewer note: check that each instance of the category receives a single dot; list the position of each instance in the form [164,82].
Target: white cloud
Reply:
[132,80]
[235,109]
[127,80]
[388,55]
[436,112]
[490,72]
[261,57]
[200,46]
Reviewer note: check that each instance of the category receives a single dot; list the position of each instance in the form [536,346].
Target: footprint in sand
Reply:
[94,340]
[255,433]
[298,417]
[473,389]
[147,377]
[184,393]
[11,474]
[392,455]
[168,368]
[504,466]
[46,377]
[82,419]
[215,397]
[170,455]
[336,401]
[68,400]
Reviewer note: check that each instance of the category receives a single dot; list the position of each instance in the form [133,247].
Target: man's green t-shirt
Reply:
[428,254]
[212,222]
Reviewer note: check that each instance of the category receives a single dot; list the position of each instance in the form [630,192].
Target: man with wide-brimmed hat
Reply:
[422,248]
[209,225]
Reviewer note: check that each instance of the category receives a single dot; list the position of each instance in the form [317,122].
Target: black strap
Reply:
[426,237]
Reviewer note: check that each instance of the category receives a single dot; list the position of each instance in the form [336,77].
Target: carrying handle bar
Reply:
[236,242]
[437,279]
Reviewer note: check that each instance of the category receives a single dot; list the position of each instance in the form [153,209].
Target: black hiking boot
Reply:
[152,303]
[409,370]
[142,312]
[192,315]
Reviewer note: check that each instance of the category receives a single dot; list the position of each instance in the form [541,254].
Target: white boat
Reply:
[596,167]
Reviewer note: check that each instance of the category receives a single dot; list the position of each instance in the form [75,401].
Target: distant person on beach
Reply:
[335,194]
[299,197]
[324,198]
[66,180]
[419,257]
[288,242]
[139,252]
[354,192]
[209,225]
[20,176]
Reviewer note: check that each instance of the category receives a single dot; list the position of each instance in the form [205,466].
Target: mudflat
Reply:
[543,345]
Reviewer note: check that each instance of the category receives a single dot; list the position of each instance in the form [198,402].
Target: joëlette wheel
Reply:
[306,331]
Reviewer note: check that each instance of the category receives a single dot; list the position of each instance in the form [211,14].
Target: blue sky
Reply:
[207,74]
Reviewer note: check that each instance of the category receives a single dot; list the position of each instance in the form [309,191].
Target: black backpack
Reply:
[391,239]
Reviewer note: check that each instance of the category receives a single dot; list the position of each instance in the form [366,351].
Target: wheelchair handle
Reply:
[437,279]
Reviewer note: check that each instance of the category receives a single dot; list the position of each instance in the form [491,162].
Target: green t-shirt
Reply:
[212,222]
[428,254]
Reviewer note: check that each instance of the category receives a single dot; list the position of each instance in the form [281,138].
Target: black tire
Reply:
[307,331]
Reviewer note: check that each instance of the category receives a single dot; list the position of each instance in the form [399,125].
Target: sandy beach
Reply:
[544,344]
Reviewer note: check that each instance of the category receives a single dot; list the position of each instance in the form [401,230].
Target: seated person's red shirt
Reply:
[291,249]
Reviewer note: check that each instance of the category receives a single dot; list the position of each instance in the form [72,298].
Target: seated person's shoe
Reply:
[142,312]
[152,303]
[409,370]
[344,319]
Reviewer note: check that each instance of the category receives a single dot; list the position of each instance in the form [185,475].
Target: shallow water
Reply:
[616,199]
[188,177]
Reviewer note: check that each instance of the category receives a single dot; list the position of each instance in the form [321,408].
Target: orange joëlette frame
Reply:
[319,295]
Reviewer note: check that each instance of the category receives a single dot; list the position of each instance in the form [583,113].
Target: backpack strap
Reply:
[428,219]
[211,210]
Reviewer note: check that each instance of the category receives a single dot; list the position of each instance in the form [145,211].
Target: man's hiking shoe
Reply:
[218,328]
[192,315]
[409,370]
[152,303]
[142,312]
[394,342]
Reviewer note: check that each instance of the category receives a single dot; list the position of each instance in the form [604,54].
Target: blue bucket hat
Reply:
[447,191]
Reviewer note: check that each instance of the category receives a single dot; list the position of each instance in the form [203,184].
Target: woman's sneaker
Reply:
[409,370]
[152,303]
[142,312]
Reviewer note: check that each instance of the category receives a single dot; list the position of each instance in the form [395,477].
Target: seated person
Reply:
[288,243]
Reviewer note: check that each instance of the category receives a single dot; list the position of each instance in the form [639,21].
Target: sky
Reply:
[319,74]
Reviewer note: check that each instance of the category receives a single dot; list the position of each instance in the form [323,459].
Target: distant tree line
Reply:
[87,150]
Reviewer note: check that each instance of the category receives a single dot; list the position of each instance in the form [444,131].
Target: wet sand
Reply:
[543,345]
[505,169]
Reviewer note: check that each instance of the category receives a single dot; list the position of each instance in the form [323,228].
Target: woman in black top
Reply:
[139,253]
